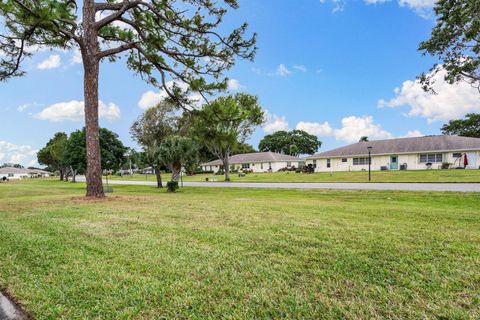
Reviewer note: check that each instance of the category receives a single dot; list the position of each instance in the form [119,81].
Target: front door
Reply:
[393,163]
[472,159]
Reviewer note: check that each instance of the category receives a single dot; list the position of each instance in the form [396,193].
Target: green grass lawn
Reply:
[239,253]
[357,176]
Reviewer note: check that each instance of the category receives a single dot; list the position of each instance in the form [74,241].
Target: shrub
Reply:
[308,168]
[203,172]
[172,186]
[445,165]
[292,168]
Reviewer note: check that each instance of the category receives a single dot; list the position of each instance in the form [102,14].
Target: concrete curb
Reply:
[9,310]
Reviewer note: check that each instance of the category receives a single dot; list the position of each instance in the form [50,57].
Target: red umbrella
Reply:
[465,161]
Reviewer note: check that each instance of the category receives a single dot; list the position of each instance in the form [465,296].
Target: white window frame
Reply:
[430,158]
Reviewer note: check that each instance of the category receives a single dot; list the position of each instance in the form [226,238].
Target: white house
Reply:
[417,153]
[12,173]
[257,162]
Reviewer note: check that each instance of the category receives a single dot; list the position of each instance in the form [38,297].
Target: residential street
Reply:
[456,187]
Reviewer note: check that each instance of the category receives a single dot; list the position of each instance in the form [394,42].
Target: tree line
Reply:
[170,139]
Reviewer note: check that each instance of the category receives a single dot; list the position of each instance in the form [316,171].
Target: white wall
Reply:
[412,161]
[258,166]
[16,176]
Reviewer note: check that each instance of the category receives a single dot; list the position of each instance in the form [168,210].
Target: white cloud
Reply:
[417,4]
[422,7]
[413,133]
[22,154]
[300,67]
[275,123]
[76,57]
[26,106]
[282,71]
[450,102]
[51,62]
[315,128]
[353,128]
[233,85]
[338,5]
[150,98]
[74,111]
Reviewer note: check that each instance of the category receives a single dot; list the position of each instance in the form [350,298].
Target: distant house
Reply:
[416,153]
[257,162]
[12,173]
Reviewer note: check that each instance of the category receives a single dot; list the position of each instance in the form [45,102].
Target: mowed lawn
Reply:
[452,175]
[239,253]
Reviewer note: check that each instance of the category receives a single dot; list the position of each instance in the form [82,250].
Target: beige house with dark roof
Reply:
[12,173]
[257,162]
[418,153]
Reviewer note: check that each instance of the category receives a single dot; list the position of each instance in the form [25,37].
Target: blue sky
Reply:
[338,69]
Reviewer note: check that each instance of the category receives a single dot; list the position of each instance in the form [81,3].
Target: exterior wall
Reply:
[257,166]
[411,160]
[16,176]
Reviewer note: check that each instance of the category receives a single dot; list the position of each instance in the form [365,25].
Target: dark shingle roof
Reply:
[404,145]
[13,170]
[255,157]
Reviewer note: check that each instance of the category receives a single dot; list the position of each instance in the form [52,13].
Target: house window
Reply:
[245,165]
[253,164]
[360,161]
[431,158]
[10,174]
[261,165]
[328,163]
[344,159]
[269,166]
[314,163]
[457,155]
[289,164]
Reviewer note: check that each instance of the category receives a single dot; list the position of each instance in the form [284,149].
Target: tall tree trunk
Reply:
[176,170]
[158,174]
[61,174]
[226,168]
[91,65]
[74,174]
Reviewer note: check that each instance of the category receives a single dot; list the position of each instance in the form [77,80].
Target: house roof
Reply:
[255,157]
[6,170]
[14,170]
[404,145]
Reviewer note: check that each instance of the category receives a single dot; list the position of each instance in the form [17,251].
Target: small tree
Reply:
[151,128]
[224,122]
[363,139]
[53,154]
[455,41]
[468,127]
[164,40]
[111,148]
[176,152]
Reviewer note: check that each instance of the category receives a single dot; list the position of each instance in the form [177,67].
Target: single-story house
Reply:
[257,162]
[416,153]
[39,173]
[12,173]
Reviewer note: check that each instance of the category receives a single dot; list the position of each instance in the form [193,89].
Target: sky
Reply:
[338,69]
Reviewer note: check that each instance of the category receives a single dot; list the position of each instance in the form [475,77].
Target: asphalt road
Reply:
[456,187]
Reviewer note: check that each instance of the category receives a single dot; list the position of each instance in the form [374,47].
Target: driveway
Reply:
[457,187]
